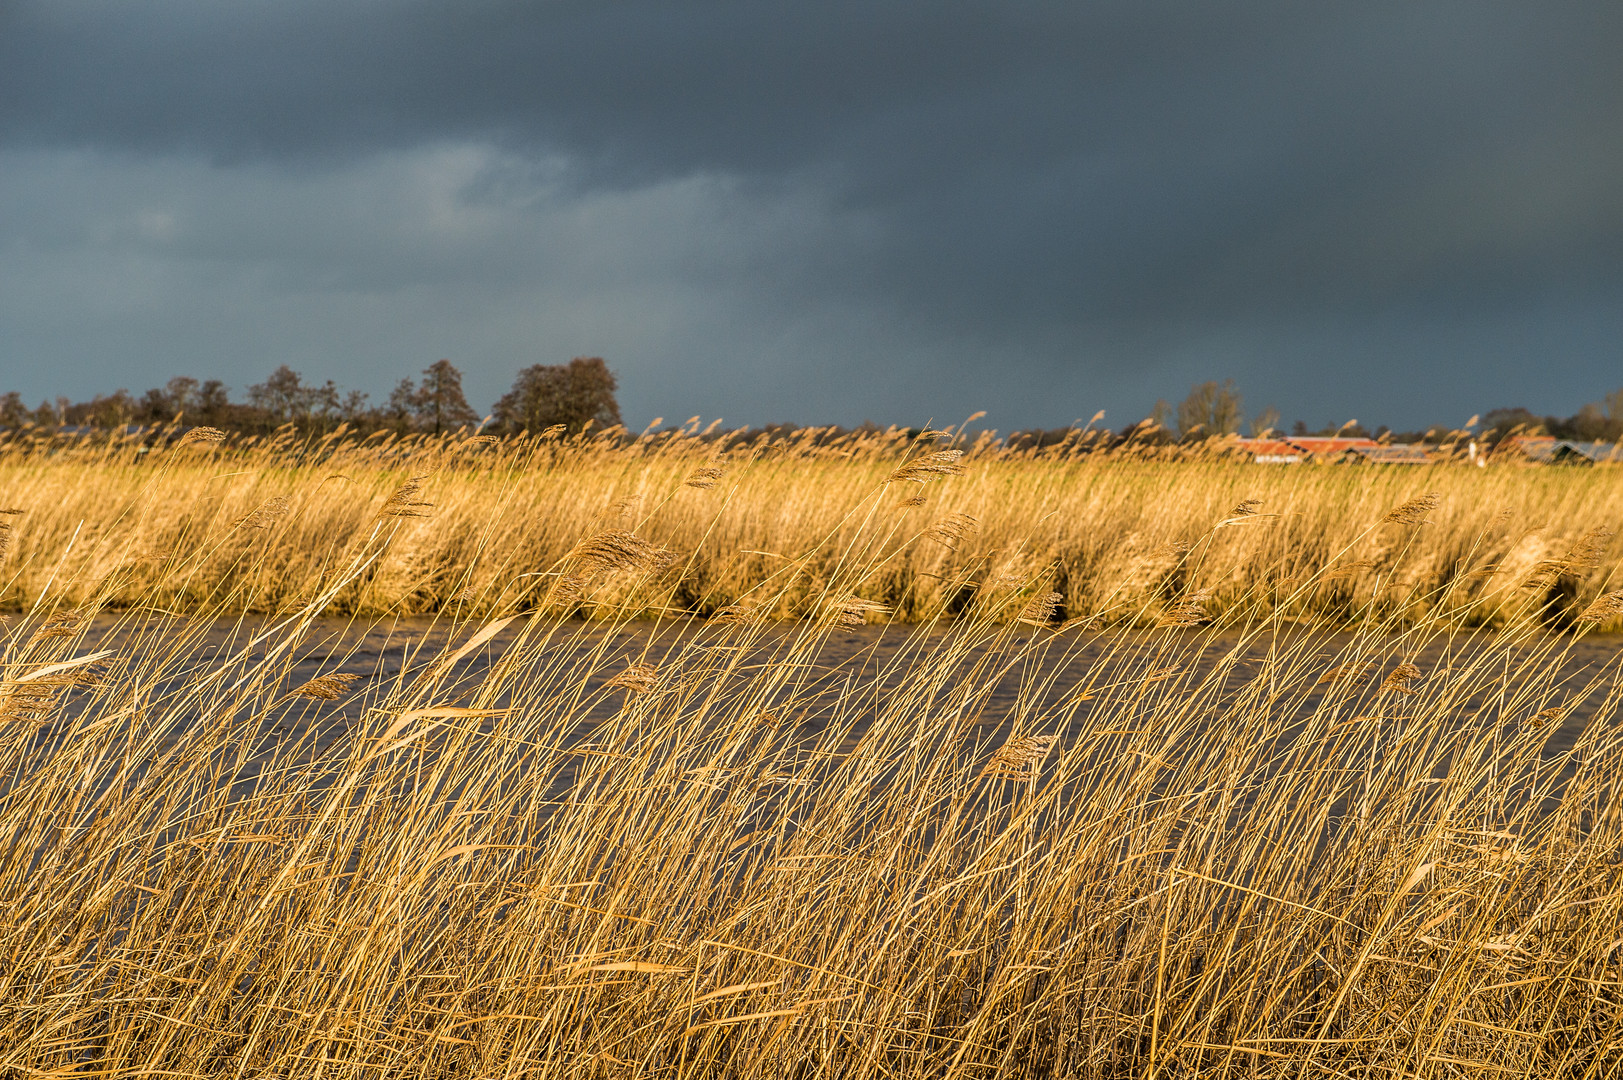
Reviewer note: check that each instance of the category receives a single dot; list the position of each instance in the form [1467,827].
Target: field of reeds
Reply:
[488,527]
[1304,772]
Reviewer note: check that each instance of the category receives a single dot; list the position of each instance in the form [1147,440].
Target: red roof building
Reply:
[1272,451]
[1327,446]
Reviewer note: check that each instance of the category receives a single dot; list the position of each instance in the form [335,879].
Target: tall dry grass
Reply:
[1352,855]
[263,526]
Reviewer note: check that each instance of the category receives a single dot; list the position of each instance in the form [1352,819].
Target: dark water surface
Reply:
[1022,675]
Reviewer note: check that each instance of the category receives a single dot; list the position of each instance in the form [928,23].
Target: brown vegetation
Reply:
[1317,857]
[1121,535]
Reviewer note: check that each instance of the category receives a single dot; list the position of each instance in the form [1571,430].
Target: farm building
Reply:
[1548,450]
[1331,447]
[1303,448]
[1398,454]
[1272,451]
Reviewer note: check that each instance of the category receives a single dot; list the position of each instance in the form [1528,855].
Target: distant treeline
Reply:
[543,396]
[570,397]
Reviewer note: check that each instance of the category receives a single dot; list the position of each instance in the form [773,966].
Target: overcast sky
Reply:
[824,212]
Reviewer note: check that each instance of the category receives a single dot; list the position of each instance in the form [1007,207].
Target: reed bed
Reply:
[263,525]
[1348,855]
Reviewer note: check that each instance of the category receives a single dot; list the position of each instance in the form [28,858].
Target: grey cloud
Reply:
[1093,196]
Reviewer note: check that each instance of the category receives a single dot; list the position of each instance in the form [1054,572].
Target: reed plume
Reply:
[618,550]
[932,466]
[1019,758]
[329,687]
[1414,511]
[637,678]
[404,502]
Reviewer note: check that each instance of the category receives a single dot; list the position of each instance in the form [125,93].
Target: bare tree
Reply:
[283,396]
[438,402]
[13,413]
[570,394]
[1214,409]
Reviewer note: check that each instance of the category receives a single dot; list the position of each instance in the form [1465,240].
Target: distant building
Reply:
[1396,454]
[1272,451]
[1337,449]
[1548,450]
[1331,447]
[1593,453]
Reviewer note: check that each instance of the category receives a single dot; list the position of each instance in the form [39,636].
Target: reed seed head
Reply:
[1190,611]
[705,476]
[404,502]
[1606,606]
[1341,674]
[637,678]
[1040,609]
[1555,714]
[325,687]
[1020,758]
[619,550]
[952,528]
[201,436]
[1400,678]
[929,467]
[1414,511]
[266,513]
[1352,569]
[744,611]
[62,624]
[854,611]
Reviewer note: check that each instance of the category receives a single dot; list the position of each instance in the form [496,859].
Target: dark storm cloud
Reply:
[1132,181]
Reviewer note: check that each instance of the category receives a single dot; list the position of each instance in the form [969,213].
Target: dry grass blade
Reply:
[1341,673]
[1414,511]
[637,678]
[954,527]
[1019,758]
[325,687]
[1352,569]
[931,466]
